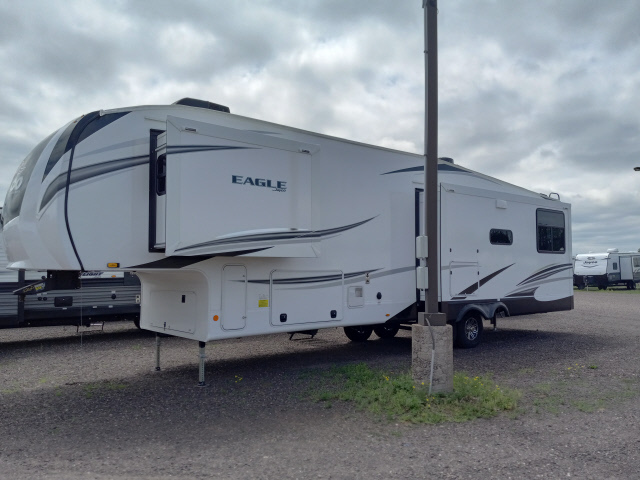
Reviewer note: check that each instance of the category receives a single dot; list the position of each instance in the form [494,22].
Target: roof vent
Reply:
[194,102]
[612,250]
[446,159]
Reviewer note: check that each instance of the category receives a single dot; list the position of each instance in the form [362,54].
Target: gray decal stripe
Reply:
[441,166]
[359,277]
[275,236]
[305,280]
[91,171]
[545,275]
[203,148]
[523,293]
[537,283]
[546,272]
[410,169]
[117,146]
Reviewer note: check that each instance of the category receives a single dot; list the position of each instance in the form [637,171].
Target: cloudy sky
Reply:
[542,94]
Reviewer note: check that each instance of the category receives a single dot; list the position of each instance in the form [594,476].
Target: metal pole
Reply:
[157,352]
[431,152]
[201,382]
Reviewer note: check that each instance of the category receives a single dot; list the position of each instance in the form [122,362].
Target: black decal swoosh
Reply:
[546,272]
[202,148]
[472,288]
[180,261]
[275,236]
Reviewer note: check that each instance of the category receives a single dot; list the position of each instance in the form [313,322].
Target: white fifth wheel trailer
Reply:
[103,296]
[239,227]
[607,269]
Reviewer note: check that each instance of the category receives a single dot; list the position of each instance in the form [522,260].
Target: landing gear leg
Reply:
[157,352]
[201,368]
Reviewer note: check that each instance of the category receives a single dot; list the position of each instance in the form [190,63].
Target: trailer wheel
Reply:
[386,330]
[631,285]
[360,333]
[469,330]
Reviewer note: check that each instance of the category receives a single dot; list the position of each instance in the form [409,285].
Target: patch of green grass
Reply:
[91,388]
[397,397]
[9,391]
[549,397]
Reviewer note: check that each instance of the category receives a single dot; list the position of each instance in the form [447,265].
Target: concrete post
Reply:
[440,374]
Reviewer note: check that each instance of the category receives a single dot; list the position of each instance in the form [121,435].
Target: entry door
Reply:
[461,231]
[234,297]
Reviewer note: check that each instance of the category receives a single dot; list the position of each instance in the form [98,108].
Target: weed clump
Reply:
[398,397]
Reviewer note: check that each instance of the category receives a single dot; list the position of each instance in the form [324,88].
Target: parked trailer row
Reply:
[603,270]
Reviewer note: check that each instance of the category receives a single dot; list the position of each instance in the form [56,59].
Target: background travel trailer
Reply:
[104,296]
[238,227]
[607,269]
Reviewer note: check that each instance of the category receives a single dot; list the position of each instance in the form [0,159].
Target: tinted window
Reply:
[87,125]
[550,231]
[499,236]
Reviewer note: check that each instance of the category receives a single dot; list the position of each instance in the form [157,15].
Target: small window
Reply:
[498,236]
[636,262]
[161,175]
[550,231]
[615,265]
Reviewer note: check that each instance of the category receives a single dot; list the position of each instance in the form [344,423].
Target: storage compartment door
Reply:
[312,296]
[231,191]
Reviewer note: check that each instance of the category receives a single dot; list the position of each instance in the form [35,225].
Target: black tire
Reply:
[469,330]
[386,330]
[136,322]
[360,333]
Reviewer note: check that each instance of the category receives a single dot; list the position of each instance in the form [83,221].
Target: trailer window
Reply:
[615,265]
[498,236]
[550,231]
[636,262]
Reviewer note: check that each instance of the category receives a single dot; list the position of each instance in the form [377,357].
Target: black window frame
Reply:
[496,231]
[553,233]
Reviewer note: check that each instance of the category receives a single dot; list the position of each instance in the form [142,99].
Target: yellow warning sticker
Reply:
[263,303]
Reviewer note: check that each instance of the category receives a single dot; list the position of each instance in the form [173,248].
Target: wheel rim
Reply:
[471,328]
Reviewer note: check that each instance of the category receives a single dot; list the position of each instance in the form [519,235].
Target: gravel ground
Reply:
[92,407]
